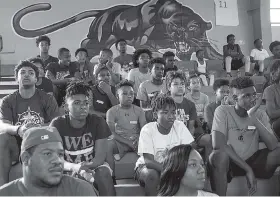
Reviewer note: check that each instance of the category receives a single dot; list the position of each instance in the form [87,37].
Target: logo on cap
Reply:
[44,137]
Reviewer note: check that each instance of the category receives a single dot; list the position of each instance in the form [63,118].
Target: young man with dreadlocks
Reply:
[84,138]
[156,138]
[236,132]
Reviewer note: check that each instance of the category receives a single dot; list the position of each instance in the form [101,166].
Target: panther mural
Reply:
[154,24]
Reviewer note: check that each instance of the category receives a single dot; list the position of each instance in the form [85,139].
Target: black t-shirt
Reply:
[62,71]
[49,60]
[101,101]
[186,111]
[46,85]
[175,68]
[79,144]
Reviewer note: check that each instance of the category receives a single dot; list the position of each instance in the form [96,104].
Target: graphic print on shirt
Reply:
[161,155]
[151,96]
[79,149]
[30,116]
[182,116]
[61,74]
[199,109]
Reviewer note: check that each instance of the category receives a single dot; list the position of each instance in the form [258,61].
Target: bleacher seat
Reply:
[125,166]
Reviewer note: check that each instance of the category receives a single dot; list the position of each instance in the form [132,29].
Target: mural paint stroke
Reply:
[154,24]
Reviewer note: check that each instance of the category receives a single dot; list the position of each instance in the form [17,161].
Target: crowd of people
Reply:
[69,121]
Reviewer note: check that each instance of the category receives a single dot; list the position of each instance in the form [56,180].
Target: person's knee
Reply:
[103,173]
[228,58]
[206,141]
[151,177]
[219,159]
[111,145]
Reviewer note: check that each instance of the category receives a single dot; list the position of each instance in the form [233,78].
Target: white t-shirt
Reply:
[259,55]
[151,141]
[204,193]
[137,77]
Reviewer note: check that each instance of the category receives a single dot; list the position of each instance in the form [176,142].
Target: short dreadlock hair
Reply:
[124,83]
[157,60]
[160,101]
[77,87]
[171,75]
[219,83]
[241,83]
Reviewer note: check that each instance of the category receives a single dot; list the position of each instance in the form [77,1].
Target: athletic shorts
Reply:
[257,162]
[236,64]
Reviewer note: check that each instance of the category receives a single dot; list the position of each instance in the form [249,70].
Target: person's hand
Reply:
[105,87]
[24,127]
[252,112]
[251,182]
[225,100]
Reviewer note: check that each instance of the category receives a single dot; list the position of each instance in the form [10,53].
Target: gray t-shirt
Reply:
[69,186]
[126,120]
[200,103]
[272,97]
[240,132]
[39,109]
[148,90]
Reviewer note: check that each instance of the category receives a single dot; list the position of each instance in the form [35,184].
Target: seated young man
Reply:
[25,108]
[274,47]
[103,95]
[236,132]
[125,121]
[85,67]
[84,137]
[156,138]
[272,97]
[43,83]
[234,58]
[105,60]
[257,56]
[201,69]
[61,73]
[221,89]
[43,43]
[148,89]
[124,59]
[201,100]
[169,58]
[140,72]
[185,109]
[195,95]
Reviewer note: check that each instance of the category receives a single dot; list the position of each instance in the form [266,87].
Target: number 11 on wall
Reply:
[223,4]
